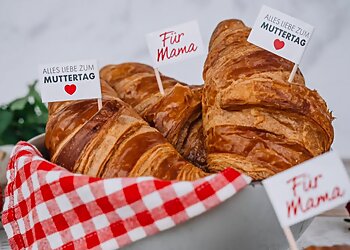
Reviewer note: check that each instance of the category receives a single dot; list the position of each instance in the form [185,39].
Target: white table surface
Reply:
[326,231]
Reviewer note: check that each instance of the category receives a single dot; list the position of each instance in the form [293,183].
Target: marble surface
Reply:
[326,231]
[35,32]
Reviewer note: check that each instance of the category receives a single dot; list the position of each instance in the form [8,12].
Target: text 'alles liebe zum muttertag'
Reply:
[281,34]
[69,81]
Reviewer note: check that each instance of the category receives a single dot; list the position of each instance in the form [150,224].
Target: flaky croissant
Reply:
[177,114]
[254,120]
[112,142]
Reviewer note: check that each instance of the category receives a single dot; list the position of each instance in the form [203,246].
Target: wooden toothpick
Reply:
[99,104]
[290,238]
[292,74]
[159,81]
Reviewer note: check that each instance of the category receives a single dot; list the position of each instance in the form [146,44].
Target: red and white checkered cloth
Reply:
[48,207]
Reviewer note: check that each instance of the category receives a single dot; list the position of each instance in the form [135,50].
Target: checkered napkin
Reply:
[48,207]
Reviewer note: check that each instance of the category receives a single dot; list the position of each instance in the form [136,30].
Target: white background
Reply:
[38,32]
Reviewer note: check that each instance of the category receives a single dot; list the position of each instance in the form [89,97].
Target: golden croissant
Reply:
[177,114]
[112,142]
[254,120]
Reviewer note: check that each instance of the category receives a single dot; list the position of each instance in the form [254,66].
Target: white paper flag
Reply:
[69,81]
[281,34]
[175,43]
[308,189]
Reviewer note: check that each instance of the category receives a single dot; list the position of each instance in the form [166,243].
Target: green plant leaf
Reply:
[9,136]
[18,104]
[5,120]
[37,98]
[33,117]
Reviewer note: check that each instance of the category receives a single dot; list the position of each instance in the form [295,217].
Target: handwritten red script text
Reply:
[171,38]
[304,199]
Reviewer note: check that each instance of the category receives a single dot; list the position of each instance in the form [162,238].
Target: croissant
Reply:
[254,120]
[112,142]
[177,114]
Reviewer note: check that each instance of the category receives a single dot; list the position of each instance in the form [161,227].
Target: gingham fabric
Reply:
[48,207]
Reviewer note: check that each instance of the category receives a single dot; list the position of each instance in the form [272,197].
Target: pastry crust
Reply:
[177,114]
[253,119]
[112,142]
[247,117]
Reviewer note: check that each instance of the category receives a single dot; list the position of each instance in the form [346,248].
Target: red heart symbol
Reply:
[70,89]
[278,44]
